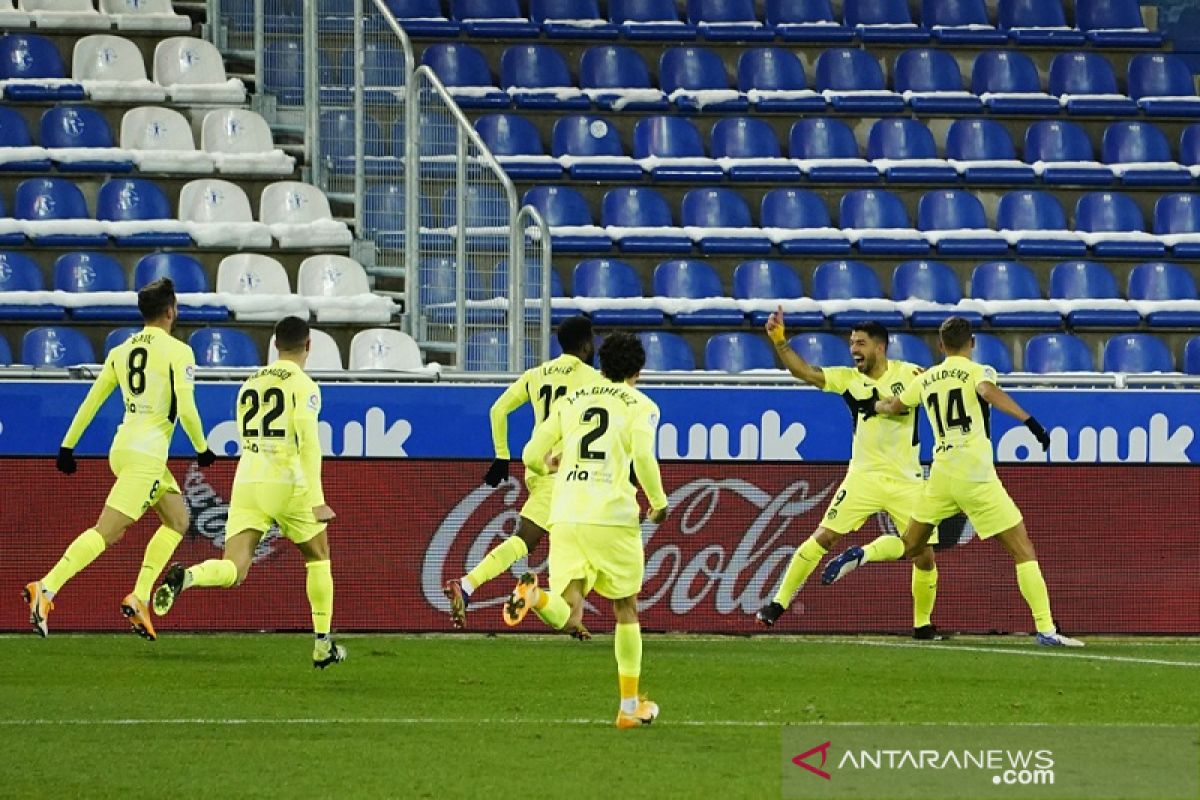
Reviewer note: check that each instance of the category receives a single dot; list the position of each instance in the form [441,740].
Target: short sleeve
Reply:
[647,416]
[838,379]
[911,396]
[986,373]
[309,405]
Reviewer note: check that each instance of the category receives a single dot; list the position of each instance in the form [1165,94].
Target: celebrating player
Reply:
[541,386]
[155,372]
[278,480]
[595,539]
[884,472]
[957,395]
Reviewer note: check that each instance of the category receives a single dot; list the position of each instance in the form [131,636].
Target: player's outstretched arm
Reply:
[547,435]
[1000,399]
[515,396]
[189,415]
[105,382]
[790,358]
[890,407]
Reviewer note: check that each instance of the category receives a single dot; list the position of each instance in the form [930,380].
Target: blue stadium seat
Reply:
[1089,80]
[653,20]
[463,65]
[664,137]
[726,211]
[905,140]
[1057,352]
[142,204]
[1189,145]
[56,347]
[1178,216]
[1116,214]
[438,286]
[910,348]
[515,142]
[610,277]
[533,288]
[637,207]
[935,81]
[382,68]
[608,71]
[1011,280]
[79,127]
[487,351]
[539,67]
[15,133]
[822,349]
[1162,85]
[763,279]
[751,138]
[337,144]
[28,57]
[423,18]
[1160,280]
[1037,22]
[1115,23]
[48,201]
[384,218]
[1191,356]
[5,353]
[188,277]
[666,351]
[1014,77]
[958,211]
[562,206]
[883,21]
[689,278]
[1137,352]
[932,281]
[283,71]
[778,80]
[571,19]
[885,226]
[118,337]
[485,206]
[737,352]
[1027,211]
[20,273]
[13,236]
[684,71]
[1142,149]
[1051,141]
[727,21]
[829,140]
[960,22]
[1087,280]
[992,351]
[94,272]
[985,140]
[801,223]
[806,21]
[596,141]
[224,348]
[851,280]
[493,19]
[845,72]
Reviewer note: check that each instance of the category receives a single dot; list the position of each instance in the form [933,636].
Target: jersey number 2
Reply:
[956,412]
[252,403]
[586,453]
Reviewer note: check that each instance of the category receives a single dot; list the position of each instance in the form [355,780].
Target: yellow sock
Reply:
[158,553]
[552,609]
[804,561]
[885,548]
[319,586]
[1033,589]
[81,552]
[217,572]
[627,642]
[924,592]
[498,559]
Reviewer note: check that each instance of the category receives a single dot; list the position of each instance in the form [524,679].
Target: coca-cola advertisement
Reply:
[1117,545]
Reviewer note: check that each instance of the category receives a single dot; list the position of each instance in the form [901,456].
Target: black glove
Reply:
[66,460]
[1038,432]
[497,473]
[867,407]
[206,459]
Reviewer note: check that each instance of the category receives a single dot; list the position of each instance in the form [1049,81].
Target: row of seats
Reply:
[134,212]
[371,349]
[186,70]
[126,15]
[1101,22]
[847,79]
[78,139]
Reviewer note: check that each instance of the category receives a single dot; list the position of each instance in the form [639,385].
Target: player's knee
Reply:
[625,609]
[826,538]
[924,559]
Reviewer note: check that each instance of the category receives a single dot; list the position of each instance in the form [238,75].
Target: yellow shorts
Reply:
[608,558]
[986,504]
[256,506]
[537,507]
[861,496]
[142,481]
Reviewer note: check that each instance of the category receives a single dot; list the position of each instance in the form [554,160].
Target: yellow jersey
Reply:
[887,446]
[542,386]
[156,373]
[961,419]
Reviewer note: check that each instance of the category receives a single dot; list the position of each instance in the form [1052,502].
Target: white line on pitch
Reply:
[1012,651]
[575,721]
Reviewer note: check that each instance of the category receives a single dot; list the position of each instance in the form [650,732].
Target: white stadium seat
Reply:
[111,68]
[337,290]
[218,215]
[239,140]
[64,14]
[298,215]
[10,19]
[323,354]
[161,141]
[252,273]
[145,15]
[384,348]
[193,71]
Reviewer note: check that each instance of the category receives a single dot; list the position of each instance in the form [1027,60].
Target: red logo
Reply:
[823,749]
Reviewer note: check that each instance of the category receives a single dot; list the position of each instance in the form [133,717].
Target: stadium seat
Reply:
[223,348]
[616,77]
[160,140]
[910,348]
[12,19]
[674,149]
[737,352]
[1162,281]
[798,222]
[193,71]
[1087,280]
[331,276]
[283,72]
[139,215]
[883,21]
[118,337]
[718,220]
[992,351]
[666,351]
[189,278]
[145,15]
[1191,356]
[56,348]
[590,149]
[78,139]
[492,19]
[1057,352]
[931,82]
[337,143]
[751,151]
[654,20]
[17,151]
[12,231]
[1177,223]
[1062,153]
[1089,84]
[953,220]
[806,21]
[485,207]
[907,140]
[1162,85]
[94,272]
[983,152]
[822,349]
[878,224]
[385,349]
[516,144]
[533,289]
[536,76]
[384,217]
[773,79]
[298,215]
[423,18]
[1115,23]
[252,273]
[437,287]
[1036,225]
[1008,83]
[693,279]
[571,19]
[612,278]
[1112,225]
[461,66]
[1038,23]
[827,151]
[960,22]
[1010,280]
[851,280]
[1141,156]
[763,279]
[1189,147]
[572,229]
[111,68]
[20,273]
[639,209]
[487,351]
[33,71]
[56,214]
[1138,353]
[694,78]
[239,141]
[852,81]
[382,70]
[323,352]
[727,21]
[933,282]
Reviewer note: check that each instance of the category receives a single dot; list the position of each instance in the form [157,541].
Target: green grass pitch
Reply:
[517,716]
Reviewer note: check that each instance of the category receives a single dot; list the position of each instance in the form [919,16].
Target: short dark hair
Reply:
[873,330]
[574,333]
[621,356]
[955,333]
[156,298]
[290,334]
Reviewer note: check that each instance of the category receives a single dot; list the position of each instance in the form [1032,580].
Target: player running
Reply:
[884,473]
[957,395]
[278,480]
[595,538]
[155,372]
[541,386]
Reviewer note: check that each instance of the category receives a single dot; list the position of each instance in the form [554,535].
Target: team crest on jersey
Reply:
[189,373]
[314,401]
[897,388]
[653,418]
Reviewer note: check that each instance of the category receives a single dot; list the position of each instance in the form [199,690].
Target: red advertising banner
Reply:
[1118,545]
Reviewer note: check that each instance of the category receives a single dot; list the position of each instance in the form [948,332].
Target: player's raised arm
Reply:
[645,465]
[1001,399]
[515,396]
[790,358]
[184,371]
[547,435]
[105,382]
